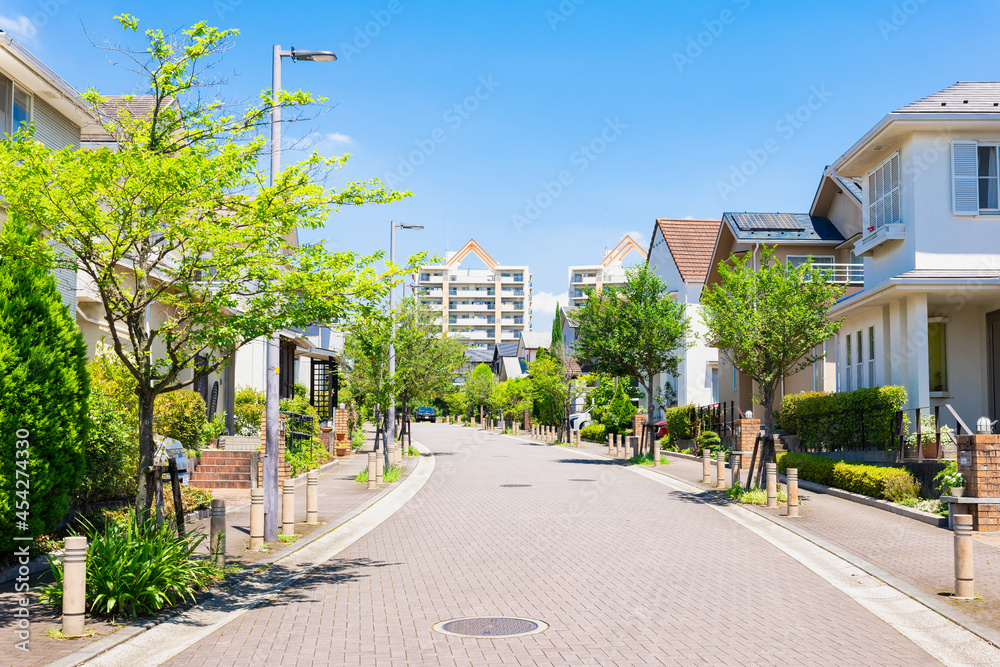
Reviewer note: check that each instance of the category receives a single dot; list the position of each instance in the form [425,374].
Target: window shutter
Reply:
[965,178]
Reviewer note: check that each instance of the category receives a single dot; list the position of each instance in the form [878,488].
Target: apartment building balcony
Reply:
[474,334]
[510,334]
[584,280]
[470,307]
[512,279]
[469,292]
[512,292]
[469,321]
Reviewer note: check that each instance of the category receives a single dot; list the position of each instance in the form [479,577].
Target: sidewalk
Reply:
[339,497]
[914,552]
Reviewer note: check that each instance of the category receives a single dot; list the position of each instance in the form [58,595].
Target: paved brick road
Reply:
[626,572]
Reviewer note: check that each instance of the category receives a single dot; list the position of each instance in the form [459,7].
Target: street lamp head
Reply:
[313,56]
[412,226]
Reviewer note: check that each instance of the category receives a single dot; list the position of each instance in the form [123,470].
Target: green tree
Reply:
[557,328]
[618,415]
[181,216]
[549,389]
[634,330]
[768,321]
[512,397]
[43,393]
[479,388]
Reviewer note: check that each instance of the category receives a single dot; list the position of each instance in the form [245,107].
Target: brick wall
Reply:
[979,463]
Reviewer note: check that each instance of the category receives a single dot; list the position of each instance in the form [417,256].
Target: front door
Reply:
[993,345]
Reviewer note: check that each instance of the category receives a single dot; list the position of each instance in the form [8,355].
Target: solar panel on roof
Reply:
[781,222]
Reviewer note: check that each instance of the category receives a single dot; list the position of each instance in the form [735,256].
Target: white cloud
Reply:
[640,237]
[338,138]
[20,25]
[543,309]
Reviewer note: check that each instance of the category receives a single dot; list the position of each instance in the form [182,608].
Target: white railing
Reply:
[844,274]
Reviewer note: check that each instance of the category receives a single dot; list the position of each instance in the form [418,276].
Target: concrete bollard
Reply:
[217,531]
[964,585]
[74,606]
[312,497]
[720,471]
[706,466]
[792,482]
[379,467]
[611,439]
[735,462]
[772,485]
[618,446]
[256,519]
[372,465]
[288,507]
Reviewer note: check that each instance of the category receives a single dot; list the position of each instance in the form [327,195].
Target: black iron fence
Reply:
[298,431]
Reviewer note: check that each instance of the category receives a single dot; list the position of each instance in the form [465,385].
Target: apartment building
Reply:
[610,271]
[483,306]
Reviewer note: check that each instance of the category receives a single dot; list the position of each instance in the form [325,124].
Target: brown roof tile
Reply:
[691,243]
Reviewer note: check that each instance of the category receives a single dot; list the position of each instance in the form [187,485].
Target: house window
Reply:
[871,356]
[15,106]
[986,169]
[799,260]
[859,367]
[938,362]
[883,194]
[847,368]
[734,378]
[715,384]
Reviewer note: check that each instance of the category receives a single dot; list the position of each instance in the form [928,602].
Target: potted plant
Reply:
[950,481]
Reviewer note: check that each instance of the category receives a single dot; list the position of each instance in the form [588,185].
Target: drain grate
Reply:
[491,626]
[514,486]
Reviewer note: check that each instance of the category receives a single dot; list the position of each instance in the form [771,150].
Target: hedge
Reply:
[595,432]
[893,484]
[790,409]
[847,420]
[679,426]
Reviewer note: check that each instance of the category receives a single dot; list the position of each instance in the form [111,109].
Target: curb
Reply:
[981,630]
[128,632]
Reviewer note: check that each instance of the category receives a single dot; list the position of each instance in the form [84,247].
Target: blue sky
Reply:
[644,108]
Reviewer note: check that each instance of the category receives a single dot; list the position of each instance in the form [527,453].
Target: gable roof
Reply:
[781,227]
[532,340]
[691,244]
[962,97]
[617,254]
[477,250]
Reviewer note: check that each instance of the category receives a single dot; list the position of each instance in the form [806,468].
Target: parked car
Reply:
[578,420]
[425,413]
[661,428]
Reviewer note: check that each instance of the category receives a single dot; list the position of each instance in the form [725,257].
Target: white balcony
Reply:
[843,274]
[459,307]
[879,235]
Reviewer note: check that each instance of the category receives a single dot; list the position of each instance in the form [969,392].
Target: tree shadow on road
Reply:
[600,462]
[336,571]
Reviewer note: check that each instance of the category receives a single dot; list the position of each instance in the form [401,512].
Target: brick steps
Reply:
[223,469]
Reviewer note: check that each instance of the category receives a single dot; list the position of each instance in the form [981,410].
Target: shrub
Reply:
[679,426]
[709,439]
[790,409]
[137,570]
[193,498]
[618,416]
[249,404]
[595,432]
[43,392]
[849,419]
[180,415]
[112,446]
[357,438]
[892,484]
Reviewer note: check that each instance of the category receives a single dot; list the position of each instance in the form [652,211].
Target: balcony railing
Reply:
[842,274]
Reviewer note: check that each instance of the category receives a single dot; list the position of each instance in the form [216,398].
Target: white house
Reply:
[680,252]
[928,317]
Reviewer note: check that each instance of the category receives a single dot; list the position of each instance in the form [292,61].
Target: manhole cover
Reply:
[490,626]
[514,486]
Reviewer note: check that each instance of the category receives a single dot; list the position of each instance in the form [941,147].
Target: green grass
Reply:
[755,496]
[640,460]
[288,538]
[412,451]
[389,475]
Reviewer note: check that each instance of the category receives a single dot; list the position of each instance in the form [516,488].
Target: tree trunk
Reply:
[144,478]
[650,428]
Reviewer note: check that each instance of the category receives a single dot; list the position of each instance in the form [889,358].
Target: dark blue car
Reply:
[425,413]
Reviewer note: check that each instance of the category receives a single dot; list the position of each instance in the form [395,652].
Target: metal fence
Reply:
[298,432]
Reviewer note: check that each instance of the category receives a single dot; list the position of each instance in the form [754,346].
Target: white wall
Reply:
[250,365]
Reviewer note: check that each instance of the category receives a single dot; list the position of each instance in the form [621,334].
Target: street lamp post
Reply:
[271,454]
[390,429]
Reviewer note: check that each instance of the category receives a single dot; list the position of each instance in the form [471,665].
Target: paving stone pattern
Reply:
[625,570]
[916,552]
